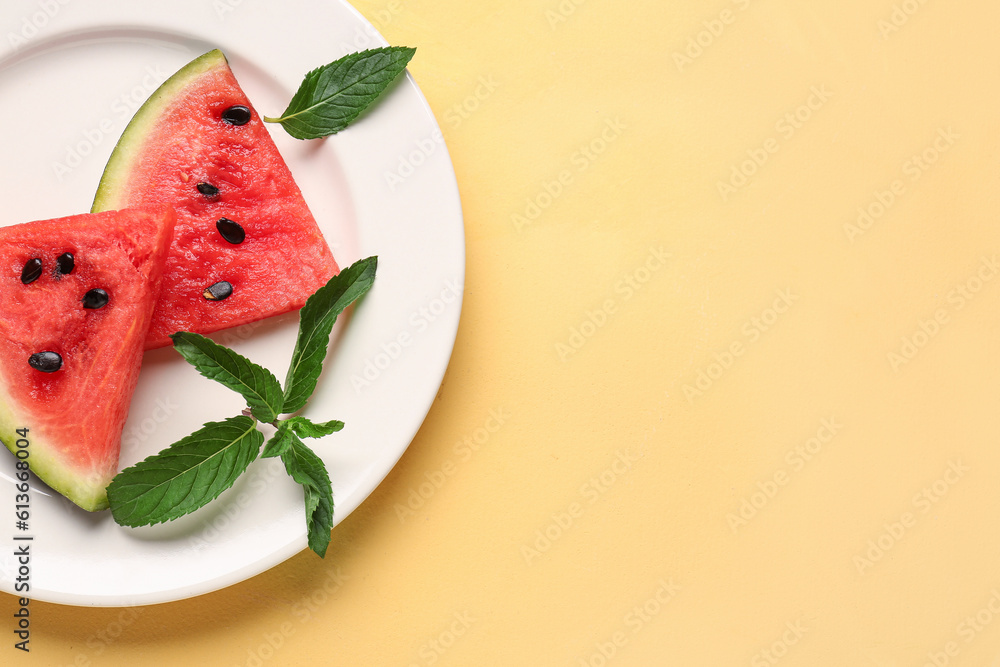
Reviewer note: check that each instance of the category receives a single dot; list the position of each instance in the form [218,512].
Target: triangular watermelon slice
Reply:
[76,299]
[246,245]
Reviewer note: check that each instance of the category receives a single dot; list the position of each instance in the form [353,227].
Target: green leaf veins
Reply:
[308,470]
[187,475]
[216,362]
[316,320]
[331,97]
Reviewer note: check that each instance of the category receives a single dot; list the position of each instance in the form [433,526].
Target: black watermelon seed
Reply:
[65,264]
[95,298]
[207,189]
[46,362]
[236,115]
[32,271]
[231,230]
[219,291]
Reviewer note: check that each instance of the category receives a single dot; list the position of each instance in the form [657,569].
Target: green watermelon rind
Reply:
[131,144]
[46,467]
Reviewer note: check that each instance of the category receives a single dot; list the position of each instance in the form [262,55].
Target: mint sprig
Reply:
[193,471]
[332,96]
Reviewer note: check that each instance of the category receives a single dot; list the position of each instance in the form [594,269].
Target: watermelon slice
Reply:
[246,246]
[76,299]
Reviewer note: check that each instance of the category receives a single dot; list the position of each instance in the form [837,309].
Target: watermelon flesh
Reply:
[75,415]
[246,246]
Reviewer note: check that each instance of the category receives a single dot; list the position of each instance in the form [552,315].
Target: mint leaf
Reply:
[257,384]
[279,442]
[332,96]
[308,470]
[187,475]
[297,426]
[306,428]
[316,321]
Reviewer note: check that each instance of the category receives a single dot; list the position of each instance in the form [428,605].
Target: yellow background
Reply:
[730,456]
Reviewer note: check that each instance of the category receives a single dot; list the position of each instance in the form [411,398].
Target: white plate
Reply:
[71,74]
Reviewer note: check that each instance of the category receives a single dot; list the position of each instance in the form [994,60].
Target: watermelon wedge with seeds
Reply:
[76,299]
[246,246]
